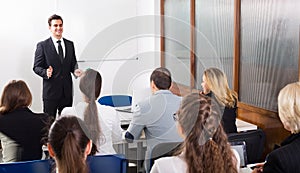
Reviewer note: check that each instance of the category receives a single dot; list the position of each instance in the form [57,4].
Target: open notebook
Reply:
[240,147]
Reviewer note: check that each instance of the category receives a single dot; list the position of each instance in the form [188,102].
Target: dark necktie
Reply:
[60,51]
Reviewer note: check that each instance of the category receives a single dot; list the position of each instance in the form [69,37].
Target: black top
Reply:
[228,118]
[286,158]
[26,129]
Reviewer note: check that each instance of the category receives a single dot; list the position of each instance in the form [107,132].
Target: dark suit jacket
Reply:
[26,129]
[286,158]
[61,81]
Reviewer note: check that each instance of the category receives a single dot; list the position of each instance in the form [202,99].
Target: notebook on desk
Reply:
[124,109]
[240,147]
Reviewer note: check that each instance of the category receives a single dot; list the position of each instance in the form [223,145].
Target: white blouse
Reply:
[177,164]
[109,121]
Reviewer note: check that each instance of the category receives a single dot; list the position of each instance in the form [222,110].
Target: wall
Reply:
[107,35]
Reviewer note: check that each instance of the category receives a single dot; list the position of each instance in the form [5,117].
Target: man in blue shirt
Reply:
[154,115]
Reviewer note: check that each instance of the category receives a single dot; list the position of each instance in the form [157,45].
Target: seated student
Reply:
[21,130]
[205,147]
[69,145]
[102,121]
[215,85]
[154,114]
[286,158]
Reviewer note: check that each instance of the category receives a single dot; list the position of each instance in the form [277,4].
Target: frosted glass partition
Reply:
[269,50]
[214,37]
[177,39]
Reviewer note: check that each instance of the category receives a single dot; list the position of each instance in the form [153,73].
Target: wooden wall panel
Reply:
[268,121]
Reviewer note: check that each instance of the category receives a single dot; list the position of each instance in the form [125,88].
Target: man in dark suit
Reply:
[54,61]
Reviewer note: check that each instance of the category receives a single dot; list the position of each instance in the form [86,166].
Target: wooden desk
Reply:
[244,126]
[245,170]
[125,117]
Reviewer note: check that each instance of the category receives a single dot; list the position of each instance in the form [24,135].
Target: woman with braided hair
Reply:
[205,148]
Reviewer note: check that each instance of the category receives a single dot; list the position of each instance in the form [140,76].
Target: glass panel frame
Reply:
[177,39]
[269,50]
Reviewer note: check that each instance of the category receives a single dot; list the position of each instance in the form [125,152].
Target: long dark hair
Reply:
[68,137]
[206,148]
[16,94]
[90,86]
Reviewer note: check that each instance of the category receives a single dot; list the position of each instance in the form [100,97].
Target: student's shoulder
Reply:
[178,97]
[167,159]
[171,159]
[40,118]
[167,163]
[107,110]
[69,111]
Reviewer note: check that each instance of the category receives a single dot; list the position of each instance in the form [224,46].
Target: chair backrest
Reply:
[35,166]
[98,164]
[254,139]
[115,163]
[116,100]
[163,150]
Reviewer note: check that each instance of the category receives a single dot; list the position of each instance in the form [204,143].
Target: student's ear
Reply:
[50,150]
[88,148]
[180,131]
[153,86]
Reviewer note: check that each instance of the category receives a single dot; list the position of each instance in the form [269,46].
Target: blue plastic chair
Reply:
[35,166]
[116,100]
[115,163]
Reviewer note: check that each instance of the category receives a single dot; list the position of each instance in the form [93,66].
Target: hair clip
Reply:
[69,131]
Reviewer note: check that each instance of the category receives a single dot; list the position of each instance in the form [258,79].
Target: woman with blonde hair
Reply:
[215,84]
[286,157]
[205,148]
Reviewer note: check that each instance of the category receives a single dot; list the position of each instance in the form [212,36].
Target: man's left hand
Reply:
[78,72]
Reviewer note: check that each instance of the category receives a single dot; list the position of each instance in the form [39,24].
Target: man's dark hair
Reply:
[54,17]
[161,78]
